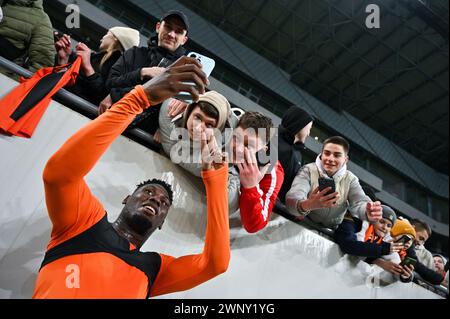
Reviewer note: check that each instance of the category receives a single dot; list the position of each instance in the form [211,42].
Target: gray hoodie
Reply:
[352,197]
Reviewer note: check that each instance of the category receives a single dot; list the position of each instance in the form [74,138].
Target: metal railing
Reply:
[82,106]
[281,210]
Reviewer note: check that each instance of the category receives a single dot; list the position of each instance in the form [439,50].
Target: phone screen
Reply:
[408,261]
[326,182]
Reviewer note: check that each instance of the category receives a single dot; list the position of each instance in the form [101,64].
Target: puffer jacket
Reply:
[28,27]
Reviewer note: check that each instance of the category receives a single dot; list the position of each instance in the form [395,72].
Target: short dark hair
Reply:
[256,121]
[159,182]
[206,108]
[339,140]
[421,225]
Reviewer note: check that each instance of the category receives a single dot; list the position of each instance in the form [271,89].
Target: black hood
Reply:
[153,44]
[294,120]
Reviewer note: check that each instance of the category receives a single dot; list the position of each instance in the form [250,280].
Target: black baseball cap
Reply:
[178,14]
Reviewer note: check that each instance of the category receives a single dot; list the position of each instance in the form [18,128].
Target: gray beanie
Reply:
[389,214]
[127,37]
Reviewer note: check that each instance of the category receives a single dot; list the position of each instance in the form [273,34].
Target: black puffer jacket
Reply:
[290,154]
[126,74]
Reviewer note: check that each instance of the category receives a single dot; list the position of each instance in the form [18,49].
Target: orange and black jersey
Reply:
[22,109]
[83,241]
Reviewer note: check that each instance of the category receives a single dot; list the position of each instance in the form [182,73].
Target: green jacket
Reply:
[29,28]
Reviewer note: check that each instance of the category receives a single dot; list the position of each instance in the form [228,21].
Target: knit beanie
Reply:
[295,119]
[127,37]
[444,260]
[403,227]
[389,214]
[219,102]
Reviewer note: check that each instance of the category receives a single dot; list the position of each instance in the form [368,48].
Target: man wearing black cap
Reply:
[292,133]
[138,65]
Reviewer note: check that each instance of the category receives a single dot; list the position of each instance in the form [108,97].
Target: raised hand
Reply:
[318,199]
[171,81]
[64,49]
[374,212]
[250,173]
[212,156]
[84,52]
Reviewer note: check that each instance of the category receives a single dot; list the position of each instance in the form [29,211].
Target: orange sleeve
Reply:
[71,206]
[178,274]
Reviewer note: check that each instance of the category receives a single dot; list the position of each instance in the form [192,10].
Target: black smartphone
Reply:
[404,240]
[408,261]
[57,36]
[327,182]
[263,157]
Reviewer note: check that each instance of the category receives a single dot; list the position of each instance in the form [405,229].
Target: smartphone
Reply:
[208,65]
[404,240]
[57,36]
[263,157]
[408,261]
[326,182]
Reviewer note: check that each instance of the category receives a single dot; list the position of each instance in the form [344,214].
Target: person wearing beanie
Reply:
[292,133]
[138,65]
[96,66]
[404,233]
[181,138]
[212,111]
[362,239]
[439,265]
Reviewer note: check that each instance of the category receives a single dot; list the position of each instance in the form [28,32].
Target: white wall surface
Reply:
[283,261]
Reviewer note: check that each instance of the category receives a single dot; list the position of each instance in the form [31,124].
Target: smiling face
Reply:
[383,227]
[171,33]
[333,158]
[146,209]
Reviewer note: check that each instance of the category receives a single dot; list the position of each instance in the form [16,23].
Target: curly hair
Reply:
[159,182]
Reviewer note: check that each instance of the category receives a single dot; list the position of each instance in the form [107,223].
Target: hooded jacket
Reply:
[290,154]
[29,29]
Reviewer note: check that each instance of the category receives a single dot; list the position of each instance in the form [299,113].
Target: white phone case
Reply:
[208,65]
